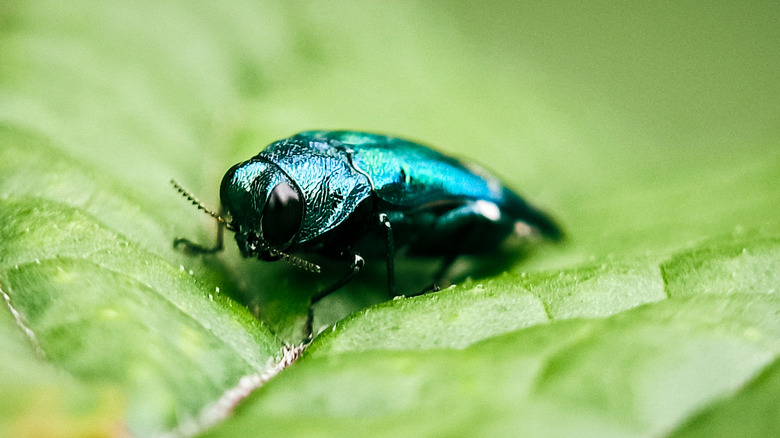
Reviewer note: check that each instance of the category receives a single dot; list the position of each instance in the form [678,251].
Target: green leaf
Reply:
[755,406]
[458,317]
[644,371]
[108,312]
[649,131]
[39,399]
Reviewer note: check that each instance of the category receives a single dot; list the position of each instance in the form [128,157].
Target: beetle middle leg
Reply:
[445,266]
[389,253]
[470,228]
[356,265]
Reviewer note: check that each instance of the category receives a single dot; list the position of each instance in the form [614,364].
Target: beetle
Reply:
[345,194]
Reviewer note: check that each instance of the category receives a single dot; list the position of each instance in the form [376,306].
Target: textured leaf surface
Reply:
[643,371]
[106,312]
[650,131]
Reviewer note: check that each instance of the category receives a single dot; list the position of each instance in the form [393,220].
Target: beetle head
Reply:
[263,207]
[266,208]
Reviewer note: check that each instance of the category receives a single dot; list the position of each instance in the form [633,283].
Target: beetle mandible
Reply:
[338,193]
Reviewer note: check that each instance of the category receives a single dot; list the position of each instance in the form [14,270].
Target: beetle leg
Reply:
[446,264]
[355,266]
[191,247]
[472,224]
[389,253]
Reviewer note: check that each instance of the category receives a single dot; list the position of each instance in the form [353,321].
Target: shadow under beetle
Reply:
[345,193]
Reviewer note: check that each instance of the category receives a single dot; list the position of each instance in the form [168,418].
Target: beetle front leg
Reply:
[355,266]
[193,248]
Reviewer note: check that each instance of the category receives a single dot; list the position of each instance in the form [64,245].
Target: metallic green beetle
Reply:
[348,194]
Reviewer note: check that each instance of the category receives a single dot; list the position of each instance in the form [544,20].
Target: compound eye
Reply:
[282,215]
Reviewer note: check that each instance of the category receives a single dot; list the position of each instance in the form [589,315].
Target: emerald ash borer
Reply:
[347,194]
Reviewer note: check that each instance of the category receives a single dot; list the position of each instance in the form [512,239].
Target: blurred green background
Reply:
[646,128]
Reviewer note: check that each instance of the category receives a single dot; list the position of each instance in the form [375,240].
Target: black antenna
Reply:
[196,202]
[296,261]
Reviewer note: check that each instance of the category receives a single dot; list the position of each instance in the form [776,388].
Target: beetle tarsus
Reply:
[193,248]
[430,289]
